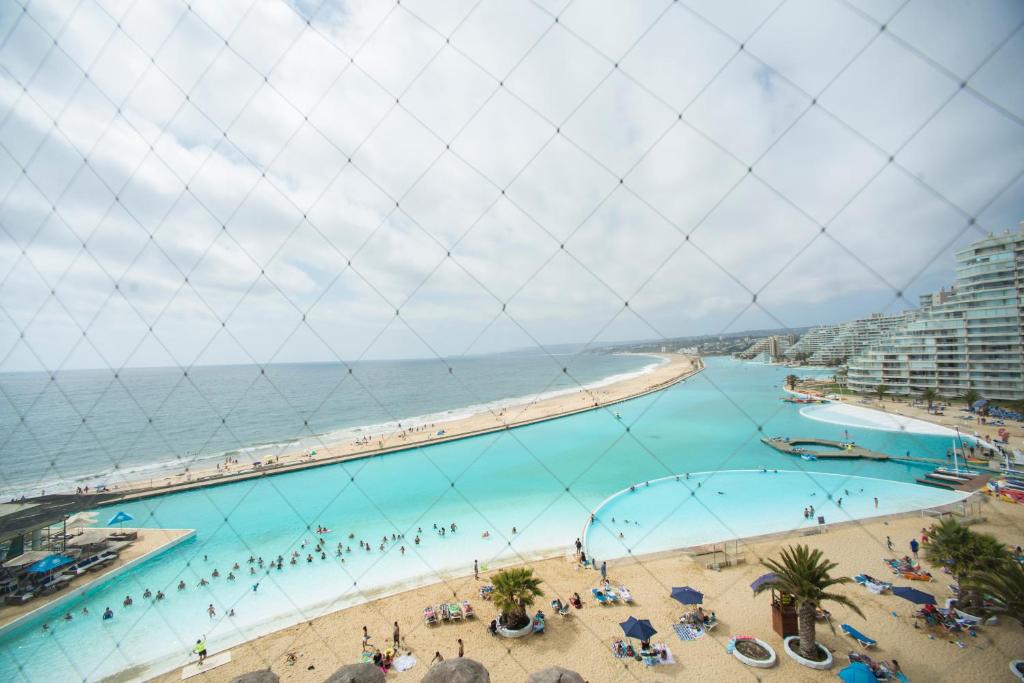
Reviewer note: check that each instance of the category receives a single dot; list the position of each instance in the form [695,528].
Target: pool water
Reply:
[723,506]
[543,479]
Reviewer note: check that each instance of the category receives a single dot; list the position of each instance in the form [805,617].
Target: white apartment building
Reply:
[968,337]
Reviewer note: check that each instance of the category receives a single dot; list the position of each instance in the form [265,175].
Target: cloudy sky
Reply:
[239,181]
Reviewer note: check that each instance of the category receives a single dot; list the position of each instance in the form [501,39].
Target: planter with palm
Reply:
[514,591]
[970,397]
[1002,587]
[963,551]
[791,381]
[804,575]
[880,391]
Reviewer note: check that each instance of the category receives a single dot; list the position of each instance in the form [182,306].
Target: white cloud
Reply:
[275,211]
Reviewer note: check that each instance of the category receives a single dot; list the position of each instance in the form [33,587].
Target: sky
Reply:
[269,181]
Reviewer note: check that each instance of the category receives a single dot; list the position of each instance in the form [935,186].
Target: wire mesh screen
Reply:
[240,237]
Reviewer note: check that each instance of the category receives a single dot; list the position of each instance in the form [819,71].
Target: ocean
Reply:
[95,427]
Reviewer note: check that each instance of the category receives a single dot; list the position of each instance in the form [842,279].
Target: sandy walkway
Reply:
[675,369]
[582,641]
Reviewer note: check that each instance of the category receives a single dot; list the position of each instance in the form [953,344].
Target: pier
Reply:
[839,450]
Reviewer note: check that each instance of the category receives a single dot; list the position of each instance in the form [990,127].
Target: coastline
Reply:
[672,369]
[582,640]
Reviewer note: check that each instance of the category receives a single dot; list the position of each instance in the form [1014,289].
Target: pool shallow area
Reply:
[713,507]
[868,418]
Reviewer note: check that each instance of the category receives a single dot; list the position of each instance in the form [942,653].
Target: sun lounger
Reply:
[625,594]
[485,591]
[599,596]
[611,595]
[454,611]
[858,636]
[429,616]
[467,609]
[443,609]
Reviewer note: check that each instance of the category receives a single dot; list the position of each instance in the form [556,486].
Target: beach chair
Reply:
[858,636]
[467,609]
[599,596]
[454,611]
[429,616]
[611,595]
[443,609]
[711,623]
[485,591]
[538,624]
[625,594]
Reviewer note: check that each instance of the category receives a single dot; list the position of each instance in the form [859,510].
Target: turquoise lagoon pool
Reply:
[518,478]
[721,506]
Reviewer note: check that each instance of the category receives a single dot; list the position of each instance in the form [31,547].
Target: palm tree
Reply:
[803,574]
[1004,586]
[791,381]
[931,396]
[963,551]
[880,391]
[971,396]
[514,591]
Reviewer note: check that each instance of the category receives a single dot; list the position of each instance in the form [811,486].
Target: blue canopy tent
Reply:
[48,564]
[120,518]
[687,595]
[640,629]
[914,595]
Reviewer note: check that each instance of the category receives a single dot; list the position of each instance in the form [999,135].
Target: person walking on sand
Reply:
[888,544]
[604,570]
[913,547]
[200,649]
[396,634]
[579,547]
[437,658]
[461,648]
[476,570]
[366,638]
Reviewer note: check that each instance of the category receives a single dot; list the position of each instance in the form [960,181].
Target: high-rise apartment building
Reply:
[967,337]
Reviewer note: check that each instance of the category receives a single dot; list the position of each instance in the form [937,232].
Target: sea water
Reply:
[543,479]
[95,427]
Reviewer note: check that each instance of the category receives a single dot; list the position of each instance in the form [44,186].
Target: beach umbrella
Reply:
[261,676]
[857,672]
[458,670]
[364,672]
[120,518]
[687,595]
[554,674]
[770,577]
[640,629]
[914,595]
[48,564]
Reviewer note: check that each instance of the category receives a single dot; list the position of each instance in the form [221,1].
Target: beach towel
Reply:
[404,663]
[687,632]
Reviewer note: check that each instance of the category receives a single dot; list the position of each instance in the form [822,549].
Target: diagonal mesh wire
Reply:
[248,124]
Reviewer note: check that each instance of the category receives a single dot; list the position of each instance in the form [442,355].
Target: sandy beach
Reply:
[674,368]
[582,640]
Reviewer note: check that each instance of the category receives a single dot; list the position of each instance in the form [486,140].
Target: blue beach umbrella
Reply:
[120,518]
[48,564]
[640,629]
[914,595]
[857,672]
[687,595]
[770,577]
